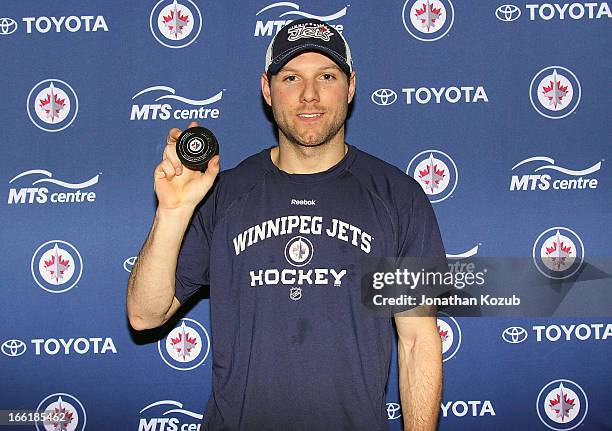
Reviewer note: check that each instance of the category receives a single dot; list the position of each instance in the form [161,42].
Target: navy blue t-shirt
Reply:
[293,346]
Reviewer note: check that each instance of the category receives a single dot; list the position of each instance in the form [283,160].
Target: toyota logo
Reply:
[393,411]
[514,335]
[507,13]
[7,26]
[384,97]
[13,348]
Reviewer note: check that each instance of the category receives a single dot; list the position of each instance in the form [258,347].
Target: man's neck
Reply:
[297,159]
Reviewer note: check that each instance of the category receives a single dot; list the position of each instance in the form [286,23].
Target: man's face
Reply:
[309,98]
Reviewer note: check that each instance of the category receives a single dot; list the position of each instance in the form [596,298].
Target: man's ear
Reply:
[352,83]
[265,88]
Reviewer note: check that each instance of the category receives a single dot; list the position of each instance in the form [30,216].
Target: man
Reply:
[279,239]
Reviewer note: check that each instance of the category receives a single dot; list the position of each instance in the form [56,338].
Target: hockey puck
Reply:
[195,147]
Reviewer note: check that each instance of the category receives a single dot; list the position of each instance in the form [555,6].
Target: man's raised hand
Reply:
[176,186]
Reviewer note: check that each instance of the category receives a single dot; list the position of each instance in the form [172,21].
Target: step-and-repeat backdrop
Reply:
[500,110]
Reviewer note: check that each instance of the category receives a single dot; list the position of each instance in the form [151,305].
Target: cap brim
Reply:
[277,64]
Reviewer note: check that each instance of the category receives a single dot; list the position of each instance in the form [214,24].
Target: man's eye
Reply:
[291,78]
[328,76]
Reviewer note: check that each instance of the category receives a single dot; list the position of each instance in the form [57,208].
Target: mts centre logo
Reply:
[52,105]
[450,335]
[174,24]
[428,20]
[550,176]
[436,172]
[56,266]
[186,347]
[554,92]
[558,253]
[562,405]
[66,410]
[159,108]
[37,189]
[167,415]
[282,13]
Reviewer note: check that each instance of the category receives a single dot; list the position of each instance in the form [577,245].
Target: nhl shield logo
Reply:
[174,24]
[52,105]
[428,20]
[450,335]
[66,413]
[186,347]
[56,266]
[555,92]
[436,172]
[562,405]
[558,253]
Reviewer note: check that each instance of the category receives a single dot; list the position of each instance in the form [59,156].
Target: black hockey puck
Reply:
[195,147]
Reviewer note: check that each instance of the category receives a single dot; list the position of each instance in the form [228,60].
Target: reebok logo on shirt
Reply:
[303,202]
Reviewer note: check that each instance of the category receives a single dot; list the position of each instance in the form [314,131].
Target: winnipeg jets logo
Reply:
[428,20]
[298,251]
[450,335]
[56,266]
[555,92]
[436,172]
[558,253]
[562,405]
[66,412]
[186,347]
[52,105]
[309,30]
[174,24]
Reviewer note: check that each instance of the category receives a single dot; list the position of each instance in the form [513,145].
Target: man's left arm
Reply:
[420,368]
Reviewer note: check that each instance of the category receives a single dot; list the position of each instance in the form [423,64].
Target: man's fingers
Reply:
[173,135]
[212,170]
[165,170]
[170,154]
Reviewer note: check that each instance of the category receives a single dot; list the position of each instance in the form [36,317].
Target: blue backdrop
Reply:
[507,103]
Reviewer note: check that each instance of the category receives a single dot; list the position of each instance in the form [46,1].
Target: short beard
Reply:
[333,130]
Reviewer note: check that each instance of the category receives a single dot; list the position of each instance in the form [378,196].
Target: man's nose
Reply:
[310,91]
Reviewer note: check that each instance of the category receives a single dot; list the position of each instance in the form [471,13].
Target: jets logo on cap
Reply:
[309,30]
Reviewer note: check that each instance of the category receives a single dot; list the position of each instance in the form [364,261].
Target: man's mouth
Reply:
[310,115]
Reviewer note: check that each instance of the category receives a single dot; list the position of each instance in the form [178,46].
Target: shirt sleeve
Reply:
[419,234]
[420,247]
[192,268]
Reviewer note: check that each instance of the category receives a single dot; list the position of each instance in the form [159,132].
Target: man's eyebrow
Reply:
[322,68]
